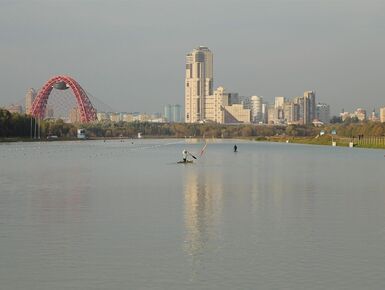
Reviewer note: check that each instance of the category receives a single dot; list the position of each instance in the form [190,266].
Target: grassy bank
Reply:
[326,140]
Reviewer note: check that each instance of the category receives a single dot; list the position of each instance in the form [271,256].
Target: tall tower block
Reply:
[198,83]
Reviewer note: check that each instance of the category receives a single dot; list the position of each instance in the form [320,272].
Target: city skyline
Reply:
[267,48]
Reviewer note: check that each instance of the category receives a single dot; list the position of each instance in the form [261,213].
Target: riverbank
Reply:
[369,142]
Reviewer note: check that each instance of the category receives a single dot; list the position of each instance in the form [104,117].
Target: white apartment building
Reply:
[256,109]
[214,105]
[278,102]
[198,83]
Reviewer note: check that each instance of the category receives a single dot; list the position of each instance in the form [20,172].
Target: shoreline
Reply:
[324,141]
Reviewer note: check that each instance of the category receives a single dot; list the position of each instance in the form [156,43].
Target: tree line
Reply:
[19,125]
[14,124]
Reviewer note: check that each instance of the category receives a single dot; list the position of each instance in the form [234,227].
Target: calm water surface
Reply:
[117,215]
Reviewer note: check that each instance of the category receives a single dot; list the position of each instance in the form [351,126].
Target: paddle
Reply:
[203,149]
[192,155]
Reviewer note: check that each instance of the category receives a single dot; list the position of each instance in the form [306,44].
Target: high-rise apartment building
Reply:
[214,105]
[256,109]
[309,107]
[323,113]
[290,112]
[198,83]
[264,112]
[172,113]
[299,101]
[234,98]
[29,98]
[278,102]
[271,114]
[279,107]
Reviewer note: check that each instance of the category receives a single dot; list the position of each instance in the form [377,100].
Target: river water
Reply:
[124,215]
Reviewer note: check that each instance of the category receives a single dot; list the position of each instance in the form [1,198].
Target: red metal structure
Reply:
[86,110]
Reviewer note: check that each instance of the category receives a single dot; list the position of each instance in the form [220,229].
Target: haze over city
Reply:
[131,54]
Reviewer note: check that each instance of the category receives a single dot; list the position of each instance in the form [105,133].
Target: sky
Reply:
[131,54]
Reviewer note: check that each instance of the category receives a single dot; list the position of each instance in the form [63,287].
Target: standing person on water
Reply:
[235,148]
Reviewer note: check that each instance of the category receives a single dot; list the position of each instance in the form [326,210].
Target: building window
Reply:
[198,70]
[198,106]
[198,88]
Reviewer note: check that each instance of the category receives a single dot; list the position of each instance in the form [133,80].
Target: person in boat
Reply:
[184,155]
[235,148]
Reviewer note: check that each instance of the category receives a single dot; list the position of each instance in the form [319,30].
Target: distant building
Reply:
[29,98]
[74,115]
[236,114]
[323,113]
[345,115]
[299,101]
[128,117]
[271,114]
[198,83]
[374,117]
[360,114]
[102,116]
[15,109]
[256,109]
[382,115]
[278,102]
[234,98]
[172,113]
[215,105]
[115,117]
[309,107]
[306,108]
[142,117]
[264,113]
[291,112]
[167,113]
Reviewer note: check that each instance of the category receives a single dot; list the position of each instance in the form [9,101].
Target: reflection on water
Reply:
[203,206]
[124,215]
[62,196]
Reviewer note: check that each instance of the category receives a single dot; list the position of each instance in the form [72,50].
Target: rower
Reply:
[184,155]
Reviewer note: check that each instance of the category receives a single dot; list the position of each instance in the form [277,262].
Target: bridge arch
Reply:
[86,110]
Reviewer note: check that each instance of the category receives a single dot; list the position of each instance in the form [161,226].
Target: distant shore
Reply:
[373,142]
[370,142]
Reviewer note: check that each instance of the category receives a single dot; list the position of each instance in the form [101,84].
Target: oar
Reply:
[203,149]
[192,155]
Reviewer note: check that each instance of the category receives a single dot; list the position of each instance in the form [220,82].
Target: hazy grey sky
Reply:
[131,54]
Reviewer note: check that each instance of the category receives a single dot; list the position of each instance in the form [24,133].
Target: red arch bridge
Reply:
[86,110]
